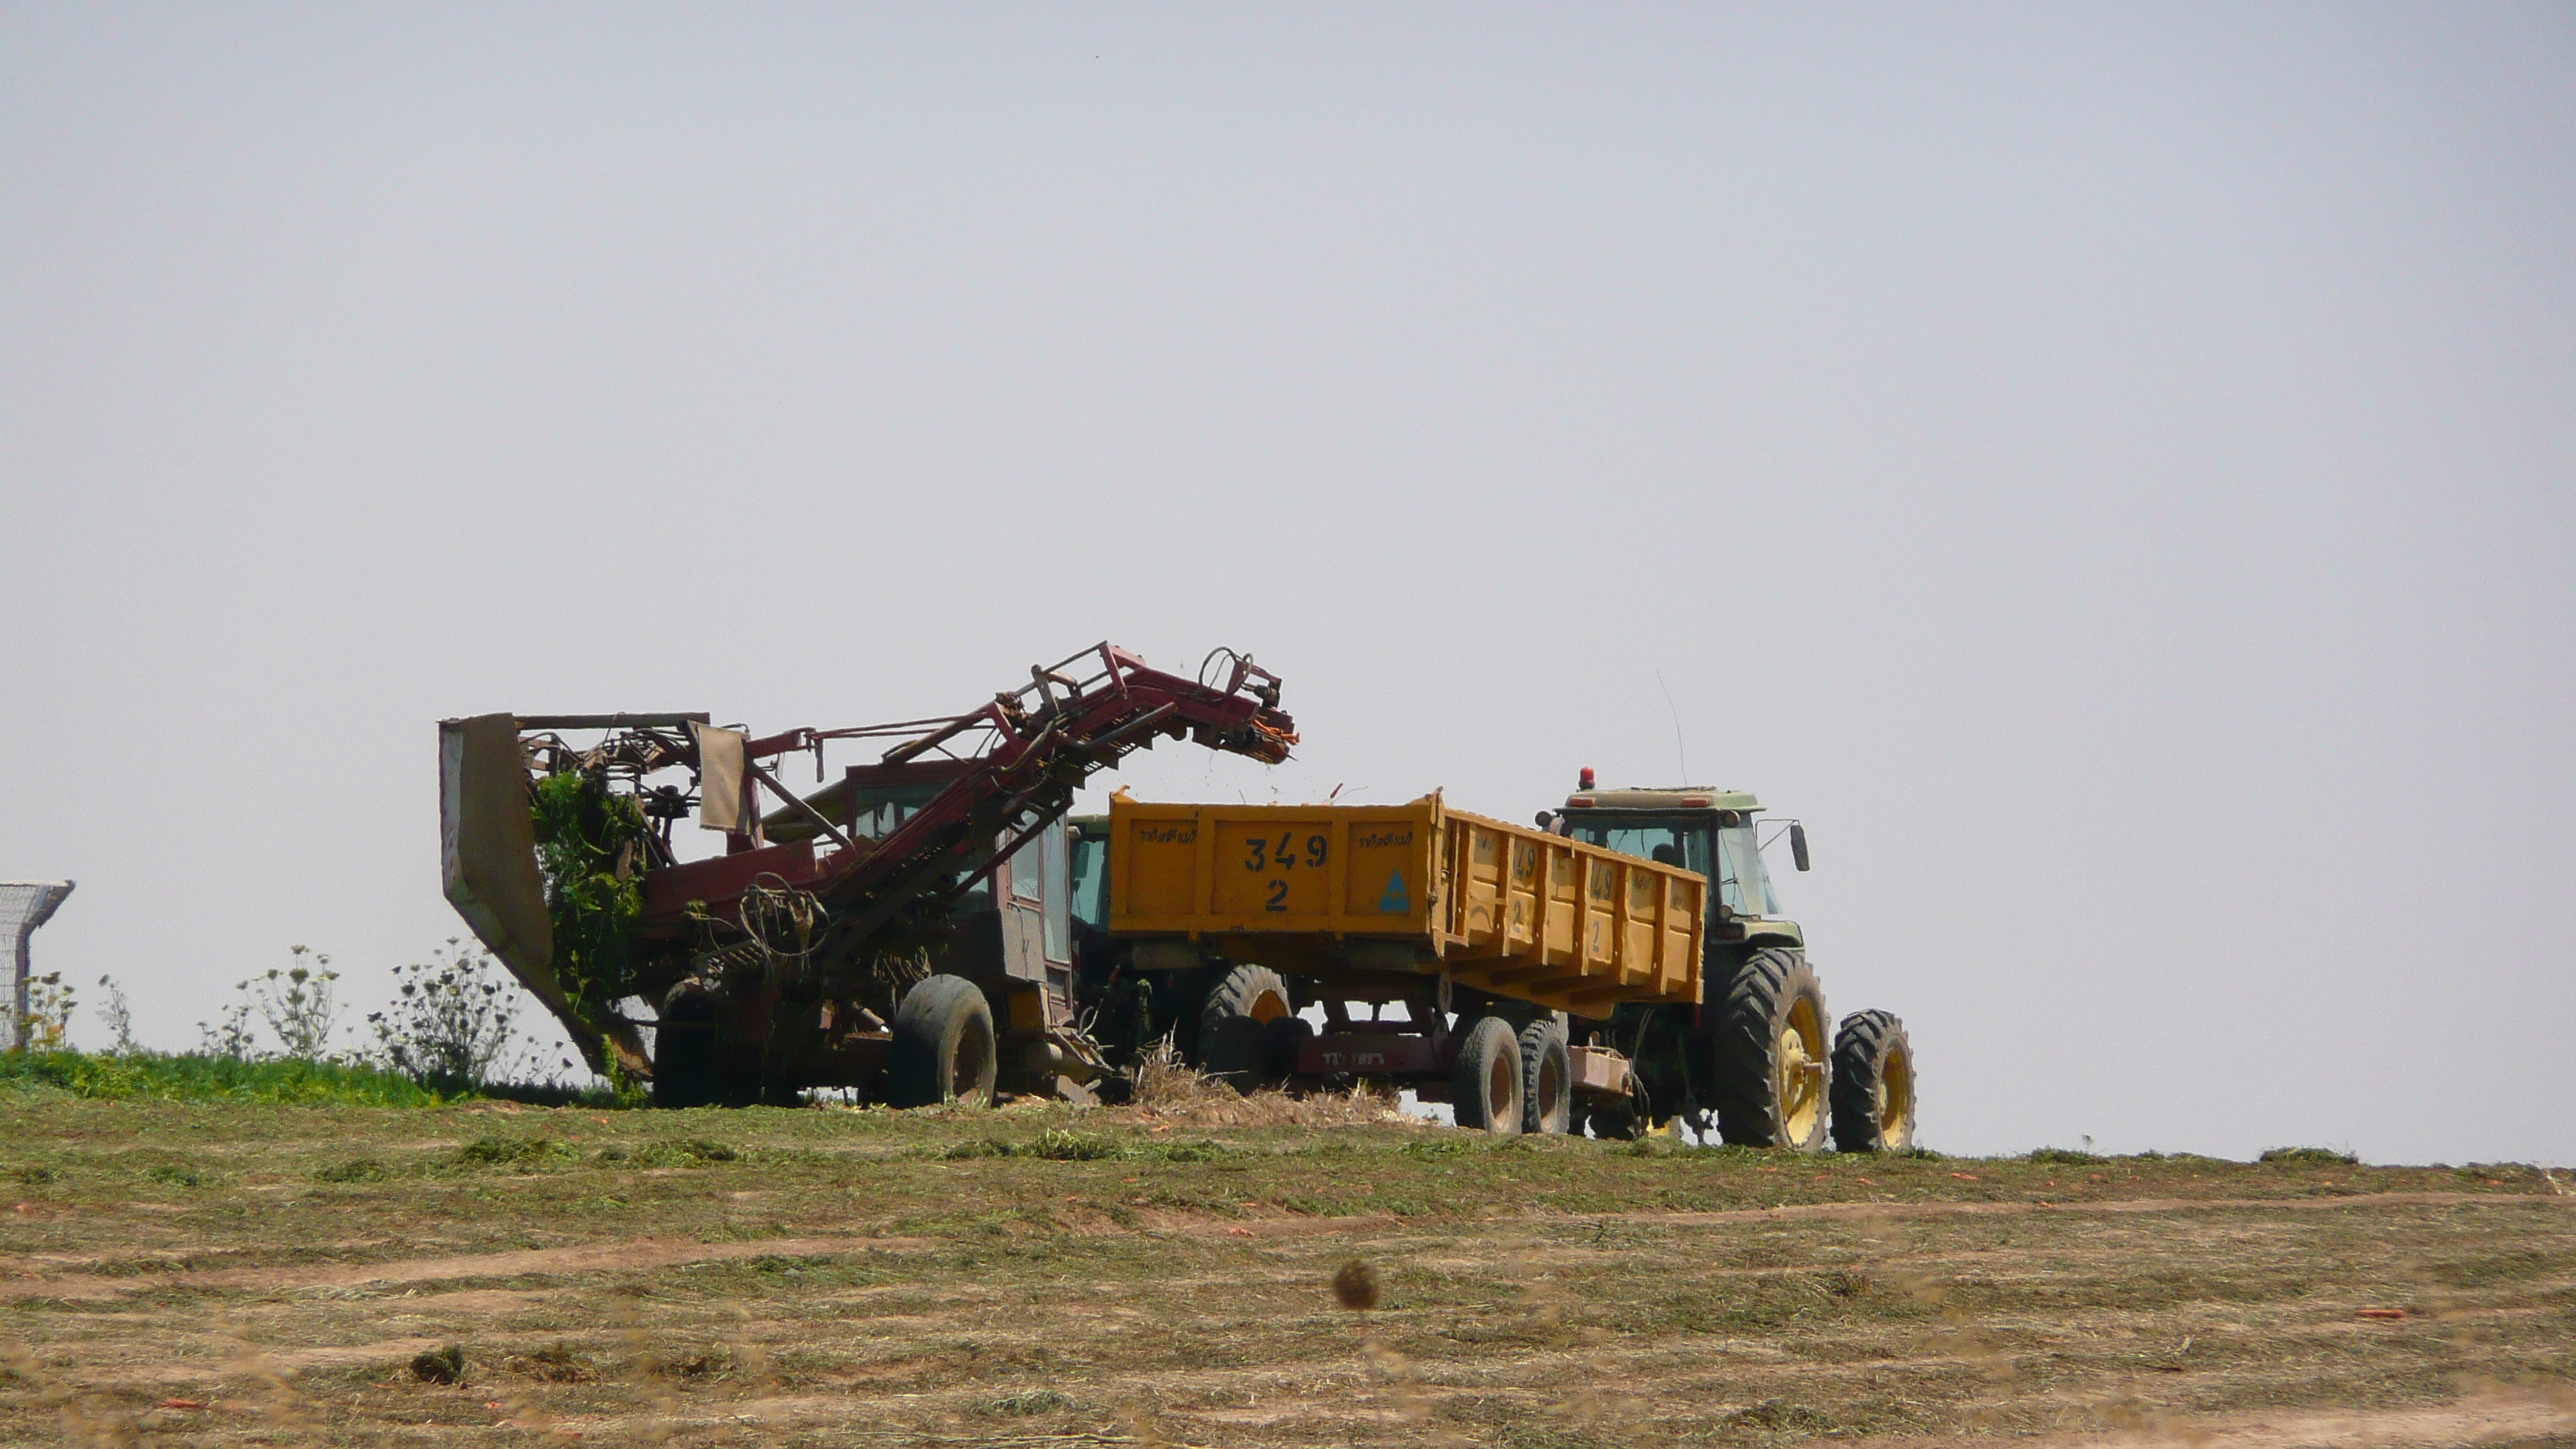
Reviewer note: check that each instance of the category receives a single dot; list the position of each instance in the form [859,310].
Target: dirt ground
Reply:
[1044,1276]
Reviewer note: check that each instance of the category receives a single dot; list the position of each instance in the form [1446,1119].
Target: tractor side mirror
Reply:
[1546,818]
[1798,843]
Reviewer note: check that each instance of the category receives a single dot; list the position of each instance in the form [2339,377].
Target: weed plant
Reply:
[198,1077]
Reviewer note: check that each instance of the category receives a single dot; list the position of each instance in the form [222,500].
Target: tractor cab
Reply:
[1710,832]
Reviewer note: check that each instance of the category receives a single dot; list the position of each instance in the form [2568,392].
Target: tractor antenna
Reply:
[1678,747]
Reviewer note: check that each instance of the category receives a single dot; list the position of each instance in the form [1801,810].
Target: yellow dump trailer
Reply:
[1504,909]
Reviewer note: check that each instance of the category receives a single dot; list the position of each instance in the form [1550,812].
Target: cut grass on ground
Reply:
[221,1273]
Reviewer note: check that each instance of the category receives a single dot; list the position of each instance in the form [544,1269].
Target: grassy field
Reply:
[226,1273]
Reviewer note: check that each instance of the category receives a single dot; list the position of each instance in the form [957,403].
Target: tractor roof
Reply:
[1680,797]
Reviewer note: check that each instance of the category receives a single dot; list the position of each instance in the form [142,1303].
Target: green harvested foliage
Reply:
[526,1153]
[156,1077]
[1058,1144]
[590,846]
[688,1152]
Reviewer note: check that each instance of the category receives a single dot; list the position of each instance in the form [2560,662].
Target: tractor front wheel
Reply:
[1873,1084]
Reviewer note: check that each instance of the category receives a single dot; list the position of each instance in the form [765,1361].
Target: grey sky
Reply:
[2110,471]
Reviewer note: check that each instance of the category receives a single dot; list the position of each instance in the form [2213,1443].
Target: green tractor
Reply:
[1752,1059]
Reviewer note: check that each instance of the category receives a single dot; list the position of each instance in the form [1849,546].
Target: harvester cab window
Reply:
[876,813]
[1059,917]
[979,894]
[1028,870]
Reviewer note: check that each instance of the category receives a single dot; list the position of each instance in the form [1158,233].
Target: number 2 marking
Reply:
[1278,896]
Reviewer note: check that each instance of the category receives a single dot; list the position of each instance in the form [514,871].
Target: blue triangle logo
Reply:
[1395,902]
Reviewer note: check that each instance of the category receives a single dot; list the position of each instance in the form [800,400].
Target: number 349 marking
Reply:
[1261,854]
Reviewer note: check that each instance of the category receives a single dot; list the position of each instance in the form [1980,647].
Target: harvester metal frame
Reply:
[786,968]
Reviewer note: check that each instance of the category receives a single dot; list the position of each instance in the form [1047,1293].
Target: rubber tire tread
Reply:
[929,1026]
[1757,1004]
[1488,1040]
[1542,1037]
[686,1066]
[1862,1046]
[1235,1048]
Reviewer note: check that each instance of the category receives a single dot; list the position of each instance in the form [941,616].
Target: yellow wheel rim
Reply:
[1799,1084]
[1896,1099]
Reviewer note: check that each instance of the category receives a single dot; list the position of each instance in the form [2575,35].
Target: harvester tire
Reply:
[685,1067]
[1768,1064]
[1873,1084]
[1485,1089]
[943,1046]
[1240,1039]
[689,1054]
[1547,1077]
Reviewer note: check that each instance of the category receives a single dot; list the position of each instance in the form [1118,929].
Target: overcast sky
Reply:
[2110,471]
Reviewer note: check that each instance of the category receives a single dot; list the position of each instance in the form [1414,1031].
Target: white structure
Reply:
[24,905]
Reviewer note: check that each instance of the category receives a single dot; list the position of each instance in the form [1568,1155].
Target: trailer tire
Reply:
[1873,1084]
[1547,1077]
[1767,1059]
[1239,1035]
[1287,1034]
[1485,1086]
[943,1047]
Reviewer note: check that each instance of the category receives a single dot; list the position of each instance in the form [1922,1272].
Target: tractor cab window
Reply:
[1682,845]
[1742,882]
[1091,881]
[1728,857]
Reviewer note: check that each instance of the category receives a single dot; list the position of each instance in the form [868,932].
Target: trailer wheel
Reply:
[1239,1033]
[943,1045]
[1767,1062]
[1873,1084]
[1486,1088]
[1287,1034]
[1547,1077]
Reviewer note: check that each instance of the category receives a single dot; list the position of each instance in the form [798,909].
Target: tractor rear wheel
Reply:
[1547,1077]
[1767,1065]
[943,1046]
[1240,1036]
[1873,1084]
[1485,1087]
